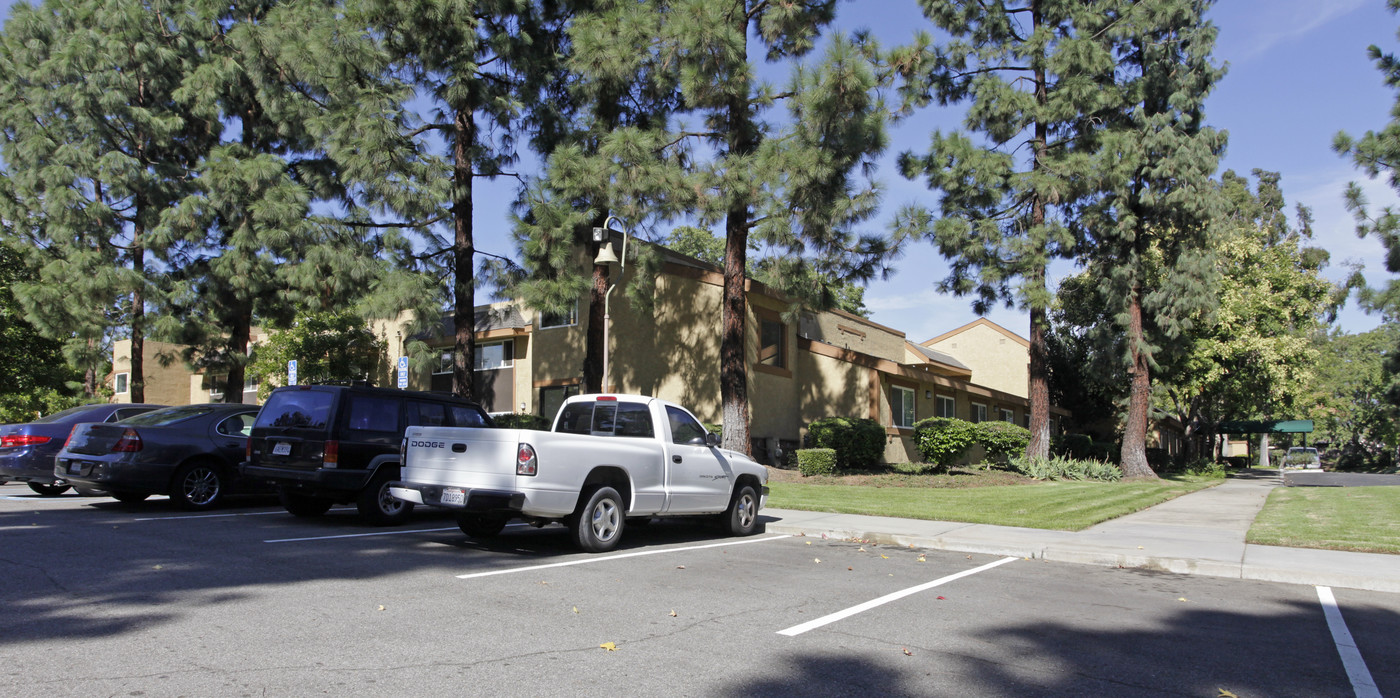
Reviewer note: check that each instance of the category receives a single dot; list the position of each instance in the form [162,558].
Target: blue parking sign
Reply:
[292,372]
[403,372]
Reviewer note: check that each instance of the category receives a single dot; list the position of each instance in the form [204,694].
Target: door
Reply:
[700,477]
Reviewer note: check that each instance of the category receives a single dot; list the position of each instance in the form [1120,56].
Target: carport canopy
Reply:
[1287,426]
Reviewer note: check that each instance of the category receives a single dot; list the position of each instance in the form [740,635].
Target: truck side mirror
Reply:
[711,439]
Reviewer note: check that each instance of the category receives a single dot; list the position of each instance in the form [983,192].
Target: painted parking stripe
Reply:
[620,556]
[360,535]
[1357,673]
[217,516]
[840,615]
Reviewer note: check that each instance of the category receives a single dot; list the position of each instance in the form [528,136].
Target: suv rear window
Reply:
[308,409]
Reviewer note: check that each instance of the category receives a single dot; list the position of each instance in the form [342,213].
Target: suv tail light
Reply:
[525,462]
[331,457]
[130,442]
[17,440]
[248,448]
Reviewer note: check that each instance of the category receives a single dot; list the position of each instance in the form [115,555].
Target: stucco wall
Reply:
[997,361]
[165,385]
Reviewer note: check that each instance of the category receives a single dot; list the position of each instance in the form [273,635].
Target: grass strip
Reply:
[1060,506]
[1360,519]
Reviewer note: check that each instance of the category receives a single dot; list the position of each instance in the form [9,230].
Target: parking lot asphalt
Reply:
[106,598]
[1200,533]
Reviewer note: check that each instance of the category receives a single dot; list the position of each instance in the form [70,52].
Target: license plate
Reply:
[282,448]
[454,495]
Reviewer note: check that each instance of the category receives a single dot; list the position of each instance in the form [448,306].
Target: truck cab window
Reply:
[684,428]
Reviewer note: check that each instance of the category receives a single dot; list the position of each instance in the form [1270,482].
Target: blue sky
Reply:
[1297,74]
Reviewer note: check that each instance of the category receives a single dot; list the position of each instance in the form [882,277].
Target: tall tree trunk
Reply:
[239,337]
[1039,387]
[138,314]
[463,279]
[733,364]
[1133,458]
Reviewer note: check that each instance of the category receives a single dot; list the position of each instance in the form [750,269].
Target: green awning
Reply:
[1290,426]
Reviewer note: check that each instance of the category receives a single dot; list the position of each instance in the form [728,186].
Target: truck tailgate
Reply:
[461,456]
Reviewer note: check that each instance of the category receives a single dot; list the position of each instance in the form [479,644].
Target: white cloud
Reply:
[1282,21]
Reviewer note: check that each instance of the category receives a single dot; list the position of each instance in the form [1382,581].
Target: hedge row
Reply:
[859,443]
[944,441]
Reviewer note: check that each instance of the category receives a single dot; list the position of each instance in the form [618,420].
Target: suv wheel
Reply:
[304,506]
[377,506]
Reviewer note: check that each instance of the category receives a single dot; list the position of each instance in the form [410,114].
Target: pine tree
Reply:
[1039,82]
[276,224]
[483,67]
[1149,231]
[98,147]
[610,89]
[794,189]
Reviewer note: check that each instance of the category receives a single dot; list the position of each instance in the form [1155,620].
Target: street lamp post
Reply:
[606,256]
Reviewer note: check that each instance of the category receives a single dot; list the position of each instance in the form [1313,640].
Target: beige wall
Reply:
[998,361]
[165,385]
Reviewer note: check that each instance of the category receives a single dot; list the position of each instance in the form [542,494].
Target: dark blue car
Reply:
[27,450]
[189,452]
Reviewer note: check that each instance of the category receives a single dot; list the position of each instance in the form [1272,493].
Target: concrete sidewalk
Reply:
[1198,533]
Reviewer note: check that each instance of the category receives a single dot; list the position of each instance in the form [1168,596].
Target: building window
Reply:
[568,318]
[250,387]
[490,357]
[947,407]
[902,407]
[121,385]
[979,412]
[772,350]
[444,364]
[1026,419]
[1007,415]
[552,398]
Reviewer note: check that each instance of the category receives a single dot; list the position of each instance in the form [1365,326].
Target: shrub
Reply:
[859,443]
[815,461]
[1071,445]
[522,421]
[1060,468]
[943,440]
[1206,467]
[1002,439]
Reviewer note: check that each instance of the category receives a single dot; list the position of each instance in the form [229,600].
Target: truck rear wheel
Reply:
[597,527]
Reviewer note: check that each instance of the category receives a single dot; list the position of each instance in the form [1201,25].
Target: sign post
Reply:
[292,372]
[403,372]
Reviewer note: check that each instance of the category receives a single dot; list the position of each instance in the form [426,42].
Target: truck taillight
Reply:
[525,463]
[248,448]
[331,455]
[130,442]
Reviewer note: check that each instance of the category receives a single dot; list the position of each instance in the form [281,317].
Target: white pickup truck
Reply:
[608,459]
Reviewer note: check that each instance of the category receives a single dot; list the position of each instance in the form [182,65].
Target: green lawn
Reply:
[1065,506]
[1363,519]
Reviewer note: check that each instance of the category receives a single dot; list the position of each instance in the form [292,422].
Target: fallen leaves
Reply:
[907,653]
[575,609]
[1225,694]
[609,646]
[673,613]
[381,608]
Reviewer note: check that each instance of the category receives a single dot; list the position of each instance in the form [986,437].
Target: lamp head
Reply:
[605,255]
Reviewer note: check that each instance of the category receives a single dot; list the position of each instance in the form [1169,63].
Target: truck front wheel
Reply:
[597,527]
[742,516]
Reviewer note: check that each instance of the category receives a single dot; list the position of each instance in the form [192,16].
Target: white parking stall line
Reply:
[217,516]
[621,556]
[1357,673]
[840,615]
[360,535]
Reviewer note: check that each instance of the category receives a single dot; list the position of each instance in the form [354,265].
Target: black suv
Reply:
[325,444]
